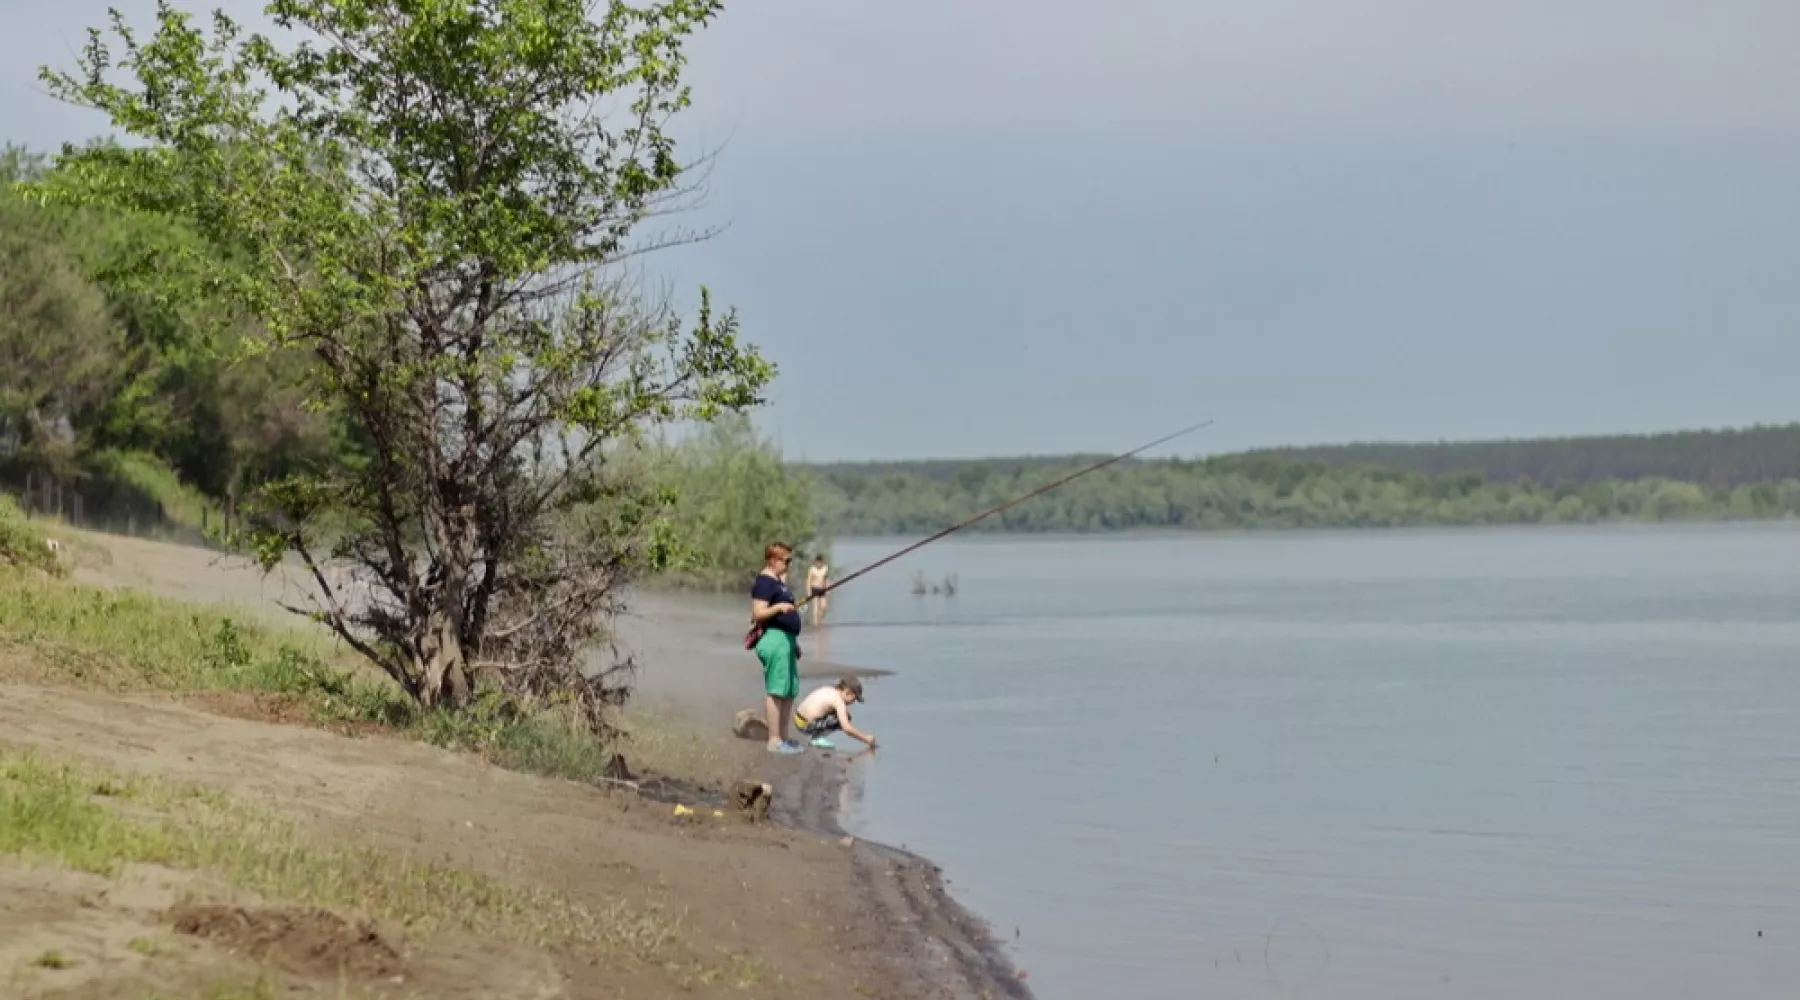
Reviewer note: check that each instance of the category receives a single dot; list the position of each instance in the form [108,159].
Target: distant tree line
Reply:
[1713,458]
[1261,491]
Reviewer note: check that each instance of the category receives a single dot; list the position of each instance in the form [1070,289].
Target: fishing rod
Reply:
[990,512]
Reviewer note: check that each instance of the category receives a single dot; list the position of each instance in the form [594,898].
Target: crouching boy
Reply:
[827,710]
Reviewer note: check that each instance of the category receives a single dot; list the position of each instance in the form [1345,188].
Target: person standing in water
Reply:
[778,647]
[818,578]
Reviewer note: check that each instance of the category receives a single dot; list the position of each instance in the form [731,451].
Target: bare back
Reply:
[821,703]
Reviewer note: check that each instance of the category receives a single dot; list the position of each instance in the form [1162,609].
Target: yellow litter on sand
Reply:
[719,814]
[681,810]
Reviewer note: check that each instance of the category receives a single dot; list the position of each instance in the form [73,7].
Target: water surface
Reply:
[1505,763]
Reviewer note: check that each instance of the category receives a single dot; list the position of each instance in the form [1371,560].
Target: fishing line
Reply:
[991,511]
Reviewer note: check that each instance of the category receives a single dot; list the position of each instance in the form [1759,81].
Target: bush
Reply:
[733,495]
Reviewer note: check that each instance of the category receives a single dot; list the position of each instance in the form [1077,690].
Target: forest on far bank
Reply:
[1713,458]
[1749,474]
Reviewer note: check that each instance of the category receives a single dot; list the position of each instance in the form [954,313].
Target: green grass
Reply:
[52,960]
[22,542]
[129,640]
[47,812]
[257,989]
[181,504]
[541,743]
[67,815]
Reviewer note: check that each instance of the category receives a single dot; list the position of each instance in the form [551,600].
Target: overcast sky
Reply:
[1001,226]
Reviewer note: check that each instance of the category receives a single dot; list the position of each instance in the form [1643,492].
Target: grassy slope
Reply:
[124,640]
[62,633]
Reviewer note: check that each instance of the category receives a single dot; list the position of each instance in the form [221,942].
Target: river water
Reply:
[1481,764]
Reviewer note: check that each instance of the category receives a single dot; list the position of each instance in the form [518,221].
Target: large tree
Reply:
[432,198]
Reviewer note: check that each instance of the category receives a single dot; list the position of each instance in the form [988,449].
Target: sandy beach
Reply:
[759,909]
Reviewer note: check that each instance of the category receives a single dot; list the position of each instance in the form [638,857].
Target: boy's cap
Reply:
[854,686]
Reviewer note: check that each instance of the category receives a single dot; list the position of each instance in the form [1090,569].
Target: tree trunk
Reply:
[445,672]
[443,677]
[234,484]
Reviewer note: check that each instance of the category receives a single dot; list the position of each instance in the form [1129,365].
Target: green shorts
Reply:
[781,671]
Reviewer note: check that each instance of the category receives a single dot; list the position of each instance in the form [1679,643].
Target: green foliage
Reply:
[732,496]
[117,384]
[1259,491]
[150,477]
[128,492]
[57,342]
[21,543]
[423,198]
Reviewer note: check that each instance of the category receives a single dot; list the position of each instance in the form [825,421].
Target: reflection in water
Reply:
[818,642]
[850,794]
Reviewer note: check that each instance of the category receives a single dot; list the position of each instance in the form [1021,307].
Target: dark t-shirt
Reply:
[767,588]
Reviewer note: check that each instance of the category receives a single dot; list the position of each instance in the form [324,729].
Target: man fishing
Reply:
[774,614]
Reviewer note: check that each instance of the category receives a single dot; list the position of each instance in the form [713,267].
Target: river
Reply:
[1361,765]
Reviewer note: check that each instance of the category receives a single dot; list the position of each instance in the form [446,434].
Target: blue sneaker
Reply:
[788,747]
[824,743]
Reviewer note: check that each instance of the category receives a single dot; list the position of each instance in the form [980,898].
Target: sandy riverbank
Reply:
[756,910]
[707,678]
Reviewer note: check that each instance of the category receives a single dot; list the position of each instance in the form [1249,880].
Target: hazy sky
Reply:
[1000,226]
